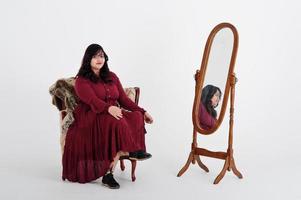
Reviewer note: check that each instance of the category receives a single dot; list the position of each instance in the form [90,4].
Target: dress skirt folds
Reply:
[95,136]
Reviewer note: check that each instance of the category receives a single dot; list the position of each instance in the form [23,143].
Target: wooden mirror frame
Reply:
[229,89]
[200,77]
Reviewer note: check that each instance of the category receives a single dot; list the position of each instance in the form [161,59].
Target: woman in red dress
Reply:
[101,131]
[211,96]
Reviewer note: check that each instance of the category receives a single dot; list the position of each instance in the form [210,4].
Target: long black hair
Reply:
[85,70]
[207,94]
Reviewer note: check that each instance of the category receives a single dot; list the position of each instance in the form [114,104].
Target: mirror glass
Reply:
[215,78]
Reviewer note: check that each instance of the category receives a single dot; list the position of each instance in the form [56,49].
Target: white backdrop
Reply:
[156,45]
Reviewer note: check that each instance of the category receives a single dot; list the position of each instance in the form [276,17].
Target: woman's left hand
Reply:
[147,118]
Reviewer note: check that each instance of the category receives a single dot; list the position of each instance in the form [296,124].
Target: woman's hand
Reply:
[115,112]
[147,118]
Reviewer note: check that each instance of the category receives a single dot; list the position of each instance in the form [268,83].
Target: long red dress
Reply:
[95,136]
[206,120]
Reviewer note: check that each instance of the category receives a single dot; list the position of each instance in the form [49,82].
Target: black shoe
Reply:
[139,155]
[109,181]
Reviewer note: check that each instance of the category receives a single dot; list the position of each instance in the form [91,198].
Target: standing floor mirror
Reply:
[215,82]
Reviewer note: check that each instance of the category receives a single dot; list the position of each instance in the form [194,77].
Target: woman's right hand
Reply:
[115,112]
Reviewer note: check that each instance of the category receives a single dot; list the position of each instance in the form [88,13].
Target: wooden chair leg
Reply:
[122,167]
[134,163]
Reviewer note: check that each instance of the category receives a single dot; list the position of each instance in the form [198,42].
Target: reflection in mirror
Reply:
[210,99]
[215,78]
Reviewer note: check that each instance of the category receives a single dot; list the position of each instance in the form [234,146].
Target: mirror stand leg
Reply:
[222,173]
[229,164]
[234,169]
[193,160]
[204,167]
[190,158]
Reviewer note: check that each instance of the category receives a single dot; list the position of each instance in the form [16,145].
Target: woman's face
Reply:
[97,61]
[215,99]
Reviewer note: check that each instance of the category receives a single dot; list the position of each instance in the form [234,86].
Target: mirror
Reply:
[217,65]
[213,88]
[215,82]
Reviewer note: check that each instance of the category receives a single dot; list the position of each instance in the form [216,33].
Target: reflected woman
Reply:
[210,98]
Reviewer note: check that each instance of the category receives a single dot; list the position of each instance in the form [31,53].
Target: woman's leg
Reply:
[108,179]
[114,162]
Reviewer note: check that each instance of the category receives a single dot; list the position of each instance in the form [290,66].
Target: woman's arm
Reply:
[123,99]
[86,94]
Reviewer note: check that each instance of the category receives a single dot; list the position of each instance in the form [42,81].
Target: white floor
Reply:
[30,169]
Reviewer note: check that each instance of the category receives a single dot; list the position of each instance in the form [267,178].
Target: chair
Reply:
[63,93]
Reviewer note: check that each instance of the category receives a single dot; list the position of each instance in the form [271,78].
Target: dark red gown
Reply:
[95,136]
[206,120]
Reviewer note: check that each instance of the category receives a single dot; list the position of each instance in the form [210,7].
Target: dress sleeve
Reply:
[123,99]
[206,120]
[86,94]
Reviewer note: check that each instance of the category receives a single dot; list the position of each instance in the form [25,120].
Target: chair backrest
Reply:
[64,96]
[133,93]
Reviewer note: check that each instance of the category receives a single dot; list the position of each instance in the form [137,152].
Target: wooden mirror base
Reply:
[227,156]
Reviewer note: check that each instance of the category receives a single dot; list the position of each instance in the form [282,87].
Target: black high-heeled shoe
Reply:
[139,155]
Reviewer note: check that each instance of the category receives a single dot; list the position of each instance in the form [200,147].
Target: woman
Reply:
[210,98]
[102,132]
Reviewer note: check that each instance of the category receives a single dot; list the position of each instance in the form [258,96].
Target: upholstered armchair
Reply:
[65,99]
